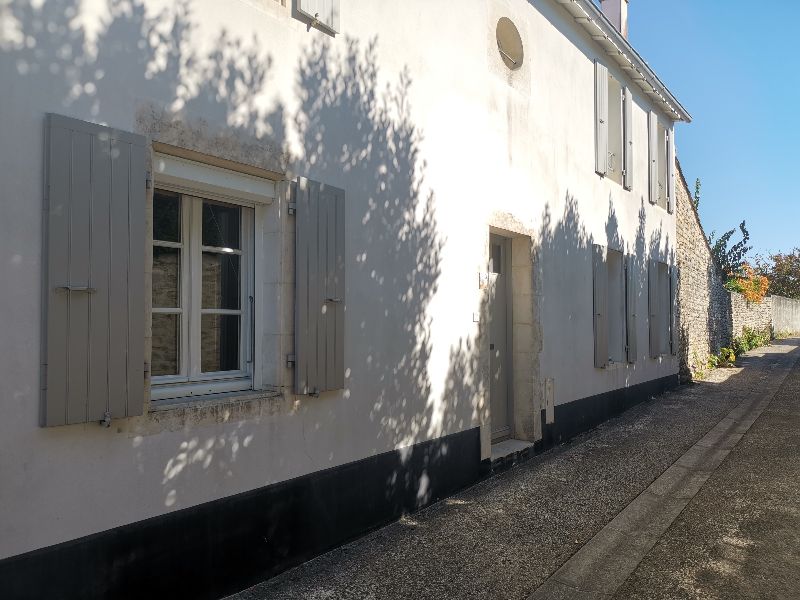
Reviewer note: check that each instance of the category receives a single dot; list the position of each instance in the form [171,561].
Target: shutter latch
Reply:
[292,208]
[148,180]
[75,288]
[290,361]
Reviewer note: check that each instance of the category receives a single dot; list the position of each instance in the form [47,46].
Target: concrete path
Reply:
[740,535]
[638,508]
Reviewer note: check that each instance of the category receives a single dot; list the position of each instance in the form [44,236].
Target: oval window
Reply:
[509,43]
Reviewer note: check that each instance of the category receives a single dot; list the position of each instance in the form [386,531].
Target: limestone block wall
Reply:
[709,316]
[704,305]
[749,314]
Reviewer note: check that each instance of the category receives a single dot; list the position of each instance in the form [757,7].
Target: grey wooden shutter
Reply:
[673,316]
[601,117]
[630,308]
[319,276]
[600,278]
[652,153]
[670,171]
[94,282]
[654,308]
[324,11]
[627,129]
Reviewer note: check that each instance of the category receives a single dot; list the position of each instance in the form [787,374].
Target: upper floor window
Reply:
[613,128]
[661,154]
[321,13]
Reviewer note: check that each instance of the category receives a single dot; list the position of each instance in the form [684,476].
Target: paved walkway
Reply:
[693,495]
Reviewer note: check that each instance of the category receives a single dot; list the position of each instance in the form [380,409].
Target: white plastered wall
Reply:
[485,142]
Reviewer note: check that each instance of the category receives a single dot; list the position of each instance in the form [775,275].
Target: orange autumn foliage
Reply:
[748,283]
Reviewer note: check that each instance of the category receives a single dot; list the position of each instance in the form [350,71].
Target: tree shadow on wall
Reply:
[565,255]
[355,135]
[362,138]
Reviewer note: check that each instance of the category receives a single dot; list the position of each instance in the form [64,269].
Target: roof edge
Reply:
[615,45]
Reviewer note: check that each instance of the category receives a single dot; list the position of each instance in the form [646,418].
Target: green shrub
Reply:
[726,358]
[751,338]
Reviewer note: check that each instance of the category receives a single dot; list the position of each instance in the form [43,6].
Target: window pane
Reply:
[166,277]
[221,225]
[220,343]
[166,329]
[221,280]
[166,216]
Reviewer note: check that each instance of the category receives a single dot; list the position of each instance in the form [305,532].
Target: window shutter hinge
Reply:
[292,208]
[106,422]
[290,361]
[148,180]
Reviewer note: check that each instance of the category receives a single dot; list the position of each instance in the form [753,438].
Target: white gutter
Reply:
[597,25]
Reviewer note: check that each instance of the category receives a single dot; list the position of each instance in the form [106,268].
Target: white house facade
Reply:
[278,271]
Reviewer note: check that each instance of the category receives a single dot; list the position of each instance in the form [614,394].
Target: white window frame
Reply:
[196,182]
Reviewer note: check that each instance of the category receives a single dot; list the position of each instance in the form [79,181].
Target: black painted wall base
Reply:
[579,416]
[576,417]
[220,547]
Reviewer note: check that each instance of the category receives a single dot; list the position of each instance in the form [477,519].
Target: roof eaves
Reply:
[597,25]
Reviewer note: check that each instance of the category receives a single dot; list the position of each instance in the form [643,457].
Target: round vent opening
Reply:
[509,43]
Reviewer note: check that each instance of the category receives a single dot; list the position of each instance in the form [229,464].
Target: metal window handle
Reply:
[333,299]
[76,288]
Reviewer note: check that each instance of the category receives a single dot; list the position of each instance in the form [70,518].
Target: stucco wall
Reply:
[785,314]
[431,141]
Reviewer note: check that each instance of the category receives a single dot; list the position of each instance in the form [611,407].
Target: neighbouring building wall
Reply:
[785,314]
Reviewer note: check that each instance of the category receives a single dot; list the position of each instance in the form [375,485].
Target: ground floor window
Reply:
[617,299]
[202,293]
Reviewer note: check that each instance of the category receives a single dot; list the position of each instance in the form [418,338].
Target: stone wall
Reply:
[709,316]
[749,314]
[704,305]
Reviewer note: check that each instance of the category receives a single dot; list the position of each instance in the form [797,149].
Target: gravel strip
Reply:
[503,537]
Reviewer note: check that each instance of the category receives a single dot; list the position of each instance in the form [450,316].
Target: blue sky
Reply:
[733,64]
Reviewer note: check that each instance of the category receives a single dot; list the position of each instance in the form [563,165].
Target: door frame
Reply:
[505,241]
